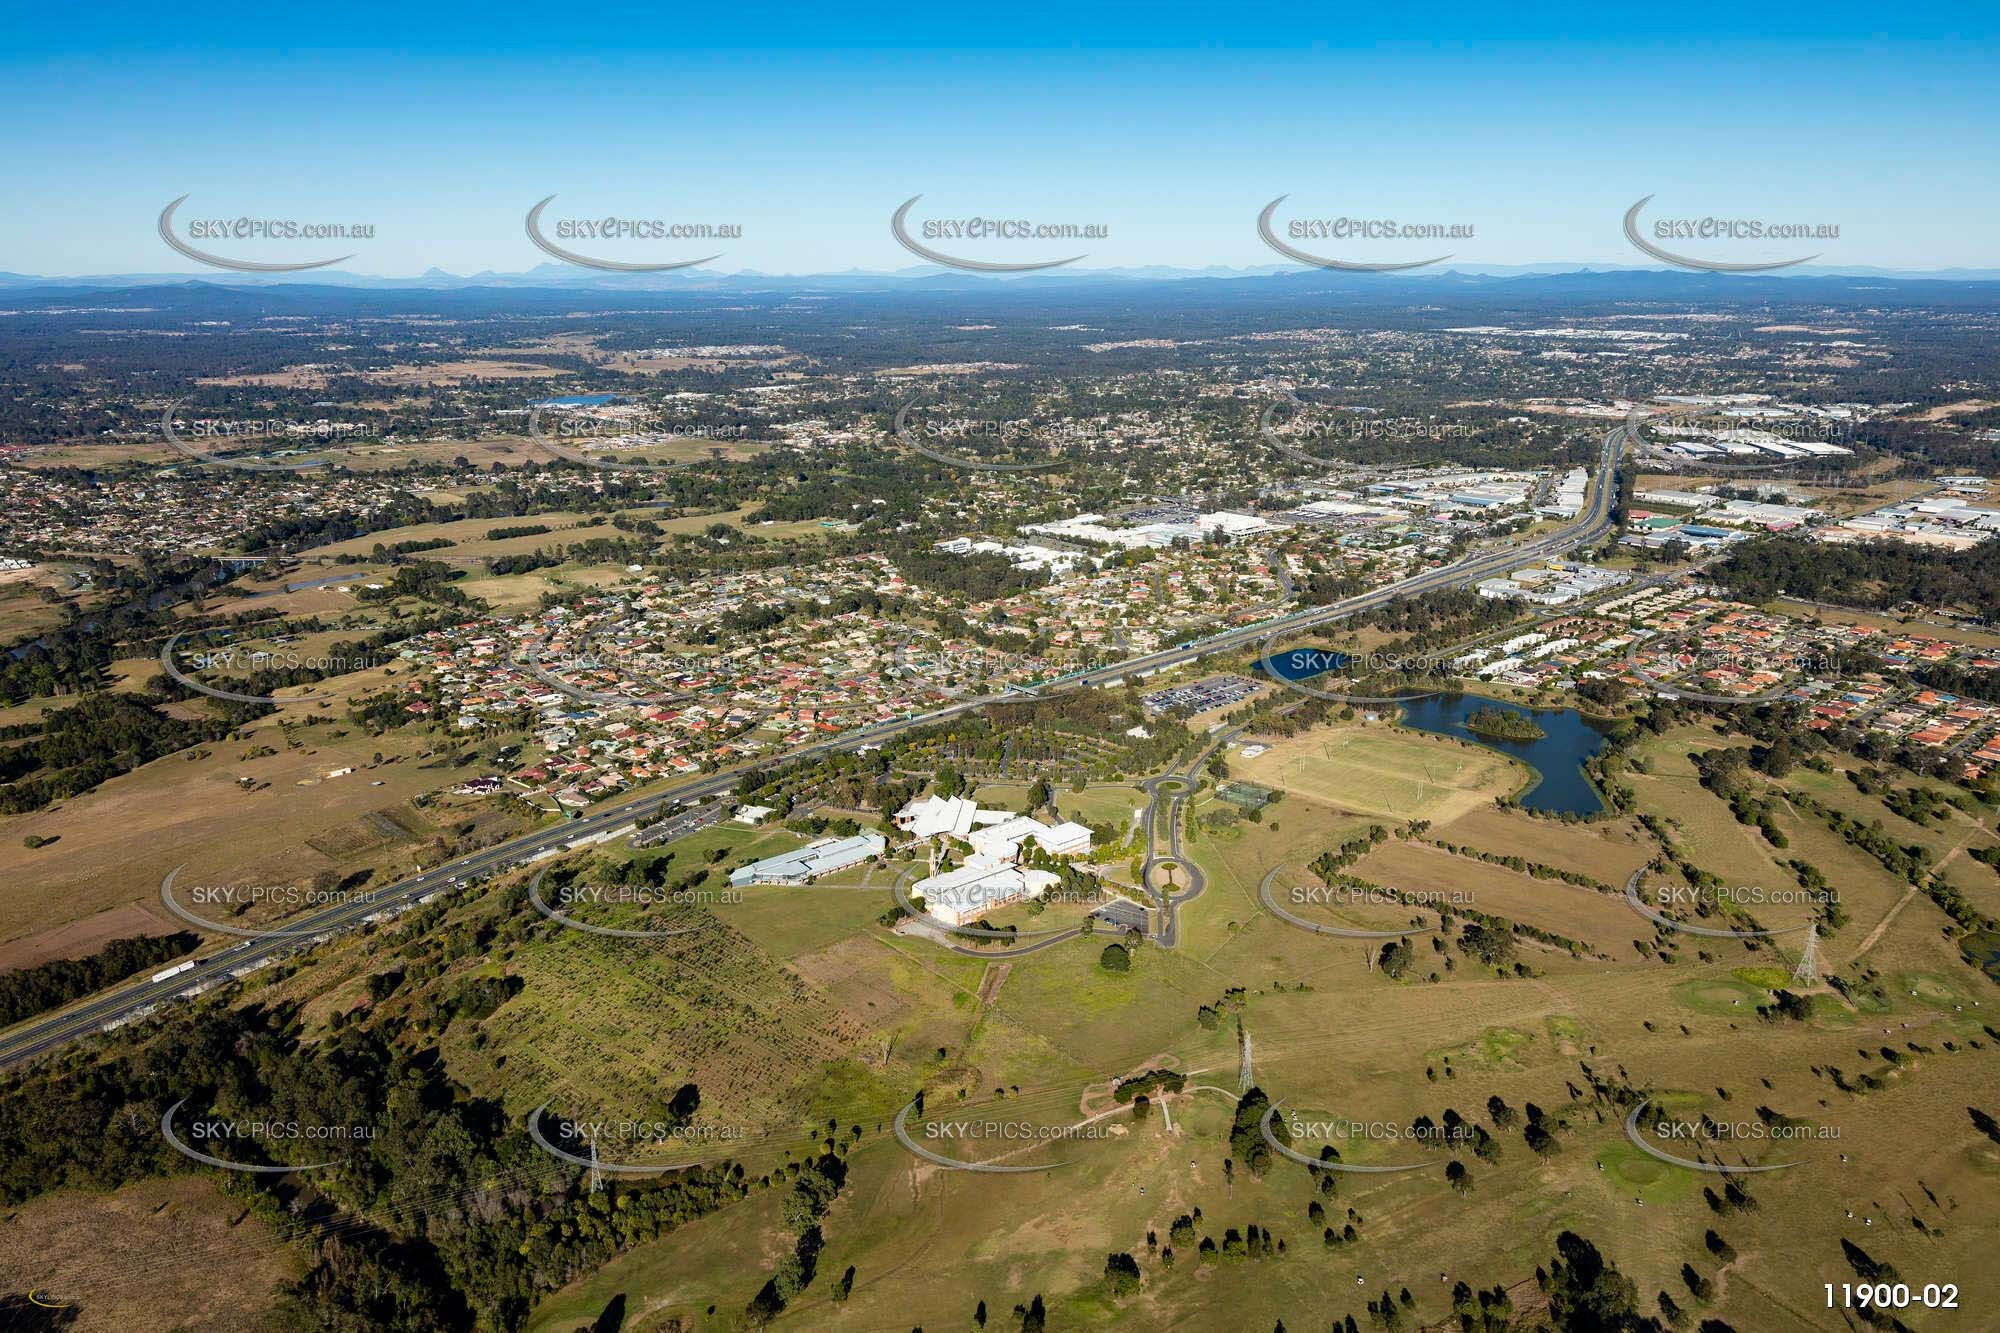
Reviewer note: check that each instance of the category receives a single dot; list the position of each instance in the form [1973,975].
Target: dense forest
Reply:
[1873,575]
[454,1218]
[88,742]
[35,990]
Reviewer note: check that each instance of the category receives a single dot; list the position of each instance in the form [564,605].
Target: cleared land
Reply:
[172,1253]
[1602,921]
[290,820]
[1608,850]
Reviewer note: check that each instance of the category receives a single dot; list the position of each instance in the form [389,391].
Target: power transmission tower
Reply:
[596,1175]
[1807,971]
[1243,1075]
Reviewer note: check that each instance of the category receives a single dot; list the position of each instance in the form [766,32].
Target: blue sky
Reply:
[1172,127]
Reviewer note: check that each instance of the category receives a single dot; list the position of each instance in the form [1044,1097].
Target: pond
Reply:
[1301,663]
[1561,786]
[1983,948]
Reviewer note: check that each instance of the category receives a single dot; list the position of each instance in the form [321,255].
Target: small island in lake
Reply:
[1501,725]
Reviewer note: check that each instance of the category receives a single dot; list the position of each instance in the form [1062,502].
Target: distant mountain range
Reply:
[569,278]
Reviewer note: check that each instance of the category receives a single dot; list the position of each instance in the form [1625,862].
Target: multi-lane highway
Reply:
[125,1002]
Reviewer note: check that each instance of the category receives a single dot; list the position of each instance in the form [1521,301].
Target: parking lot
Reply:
[1201,695]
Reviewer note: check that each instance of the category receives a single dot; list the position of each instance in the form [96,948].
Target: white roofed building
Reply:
[1068,838]
[996,835]
[1002,842]
[953,816]
[978,887]
[811,861]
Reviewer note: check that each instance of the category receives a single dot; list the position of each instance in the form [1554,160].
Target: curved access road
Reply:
[1168,932]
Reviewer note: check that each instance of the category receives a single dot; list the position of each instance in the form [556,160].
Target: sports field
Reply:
[1384,771]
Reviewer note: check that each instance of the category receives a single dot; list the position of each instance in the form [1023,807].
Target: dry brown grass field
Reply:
[119,840]
[1608,850]
[1602,921]
[158,1254]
